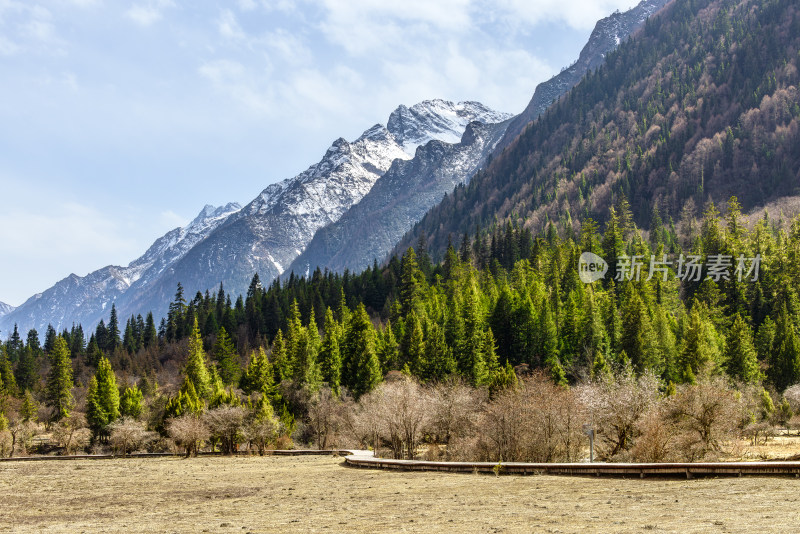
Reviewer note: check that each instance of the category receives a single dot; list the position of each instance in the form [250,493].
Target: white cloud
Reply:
[368,27]
[229,27]
[43,243]
[148,13]
[170,219]
[7,47]
[247,5]
[579,14]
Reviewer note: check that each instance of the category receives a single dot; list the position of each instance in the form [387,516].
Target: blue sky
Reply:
[120,120]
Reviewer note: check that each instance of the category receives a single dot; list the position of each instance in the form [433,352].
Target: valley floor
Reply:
[318,494]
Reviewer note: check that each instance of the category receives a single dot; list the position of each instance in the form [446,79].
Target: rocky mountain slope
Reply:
[230,244]
[608,33]
[397,201]
[5,309]
[270,232]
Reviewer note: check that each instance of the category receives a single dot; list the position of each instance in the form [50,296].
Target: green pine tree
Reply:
[195,371]
[330,358]
[227,358]
[59,381]
[740,358]
[360,367]
[130,403]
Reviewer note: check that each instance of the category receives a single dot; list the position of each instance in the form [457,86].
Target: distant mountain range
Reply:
[400,198]
[230,244]
[345,211]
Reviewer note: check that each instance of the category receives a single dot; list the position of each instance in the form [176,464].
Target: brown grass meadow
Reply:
[319,494]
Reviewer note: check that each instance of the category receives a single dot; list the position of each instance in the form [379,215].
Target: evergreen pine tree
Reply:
[360,367]
[438,358]
[698,356]
[130,402]
[330,358]
[59,381]
[150,335]
[259,375]
[7,374]
[227,358]
[113,340]
[784,369]
[102,400]
[280,360]
[196,371]
[740,358]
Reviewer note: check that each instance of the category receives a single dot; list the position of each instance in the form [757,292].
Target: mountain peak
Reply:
[437,119]
[6,308]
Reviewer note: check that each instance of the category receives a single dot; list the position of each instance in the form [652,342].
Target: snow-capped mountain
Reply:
[608,33]
[5,309]
[268,233]
[399,199]
[371,228]
[87,299]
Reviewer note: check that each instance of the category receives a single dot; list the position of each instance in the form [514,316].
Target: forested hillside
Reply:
[688,340]
[701,105]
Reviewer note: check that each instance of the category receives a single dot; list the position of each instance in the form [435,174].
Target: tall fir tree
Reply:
[330,358]
[740,358]
[196,371]
[102,400]
[360,367]
[59,381]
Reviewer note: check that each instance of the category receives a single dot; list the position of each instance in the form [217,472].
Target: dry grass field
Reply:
[318,494]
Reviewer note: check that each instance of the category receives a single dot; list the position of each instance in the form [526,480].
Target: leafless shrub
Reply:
[705,415]
[20,431]
[226,424]
[263,432]
[397,412]
[538,422]
[656,436]
[614,408]
[5,444]
[188,432]
[128,435]
[759,433]
[455,412]
[792,394]
[71,433]
[325,417]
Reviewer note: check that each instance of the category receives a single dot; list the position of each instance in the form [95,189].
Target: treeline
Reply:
[505,304]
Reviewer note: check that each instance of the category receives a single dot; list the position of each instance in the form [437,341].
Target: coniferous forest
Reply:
[482,340]
[500,308]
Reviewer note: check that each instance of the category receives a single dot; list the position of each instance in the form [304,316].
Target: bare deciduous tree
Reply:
[397,412]
[705,415]
[614,408]
[128,434]
[71,433]
[537,422]
[226,424]
[325,417]
[188,432]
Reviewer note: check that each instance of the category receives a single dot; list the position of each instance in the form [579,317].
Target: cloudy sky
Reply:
[120,120]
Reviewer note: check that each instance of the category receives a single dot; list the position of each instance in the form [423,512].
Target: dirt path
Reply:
[317,494]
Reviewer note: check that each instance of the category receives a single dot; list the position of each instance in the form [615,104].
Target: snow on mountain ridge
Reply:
[85,298]
[5,309]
